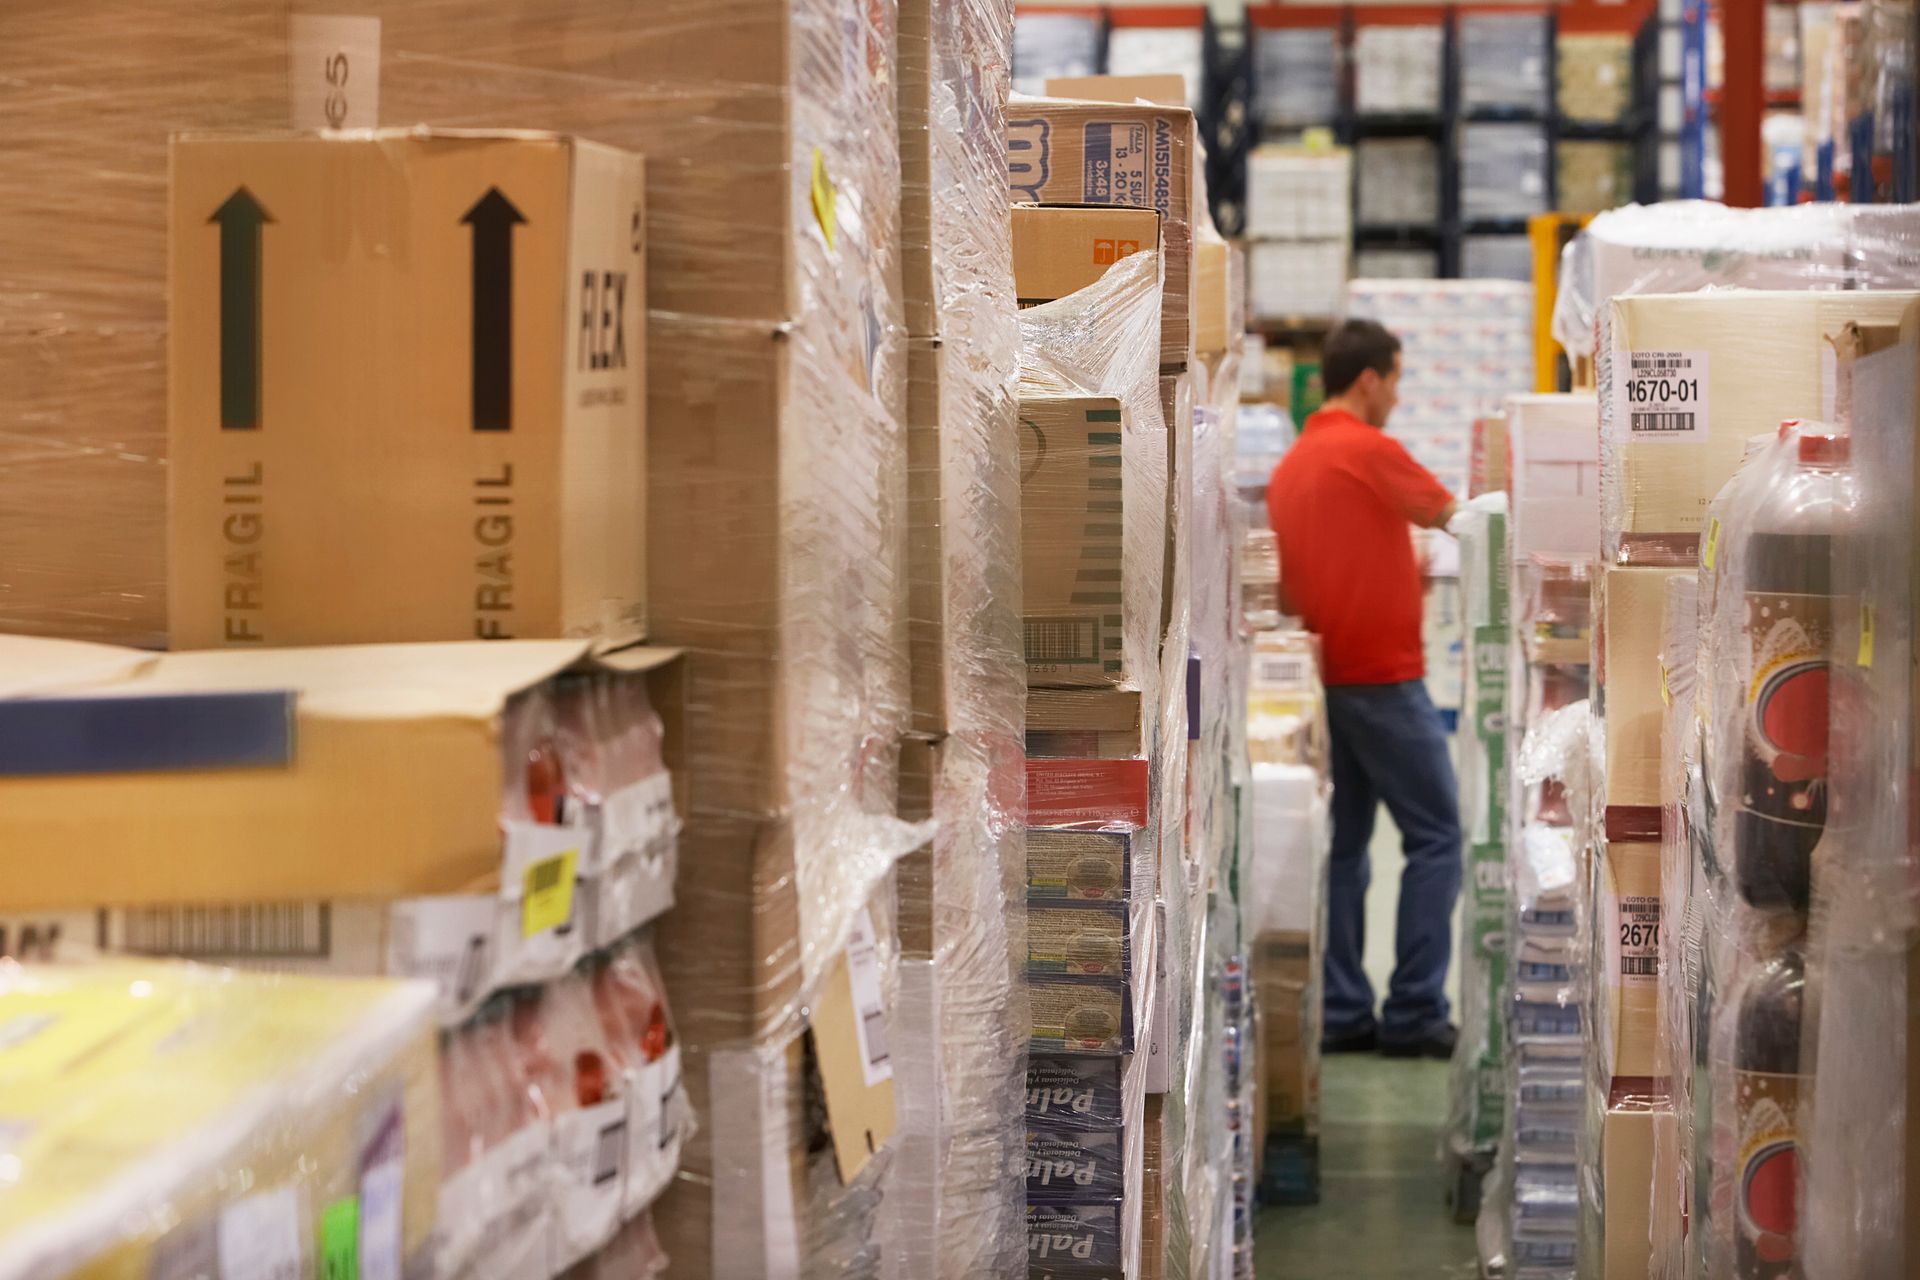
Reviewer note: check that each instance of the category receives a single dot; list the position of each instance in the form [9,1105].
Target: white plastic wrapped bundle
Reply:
[1397,69]
[1682,245]
[1503,170]
[1503,61]
[1496,257]
[1296,76]
[1399,181]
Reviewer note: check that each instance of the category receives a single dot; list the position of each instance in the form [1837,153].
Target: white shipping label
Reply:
[382,1196]
[1635,945]
[1660,395]
[333,71]
[260,1237]
[863,969]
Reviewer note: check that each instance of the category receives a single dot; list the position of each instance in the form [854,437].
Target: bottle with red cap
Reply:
[1786,561]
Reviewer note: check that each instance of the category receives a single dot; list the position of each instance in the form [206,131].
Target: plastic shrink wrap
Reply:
[1683,245]
[1477,1108]
[955,1200]
[1859,1165]
[776,383]
[174,1120]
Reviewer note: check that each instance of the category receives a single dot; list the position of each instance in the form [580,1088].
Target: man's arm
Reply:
[1410,488]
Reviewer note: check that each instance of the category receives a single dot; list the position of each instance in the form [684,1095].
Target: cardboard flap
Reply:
[30,666]
[459,680]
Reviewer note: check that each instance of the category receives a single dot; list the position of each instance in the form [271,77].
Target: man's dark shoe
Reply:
[1351,1041]
[1437,1043]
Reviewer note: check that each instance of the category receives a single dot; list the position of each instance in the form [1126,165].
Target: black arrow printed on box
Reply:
[493,218]
[241,217]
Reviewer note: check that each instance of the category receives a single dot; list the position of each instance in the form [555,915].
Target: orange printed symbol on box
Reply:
[823,197]
[1108,252]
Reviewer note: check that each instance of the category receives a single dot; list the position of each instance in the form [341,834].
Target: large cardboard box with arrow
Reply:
[407,396]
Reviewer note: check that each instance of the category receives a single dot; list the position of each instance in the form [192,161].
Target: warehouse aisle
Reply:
[1381,1214]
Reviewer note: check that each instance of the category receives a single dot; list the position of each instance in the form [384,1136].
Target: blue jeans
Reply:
[1390,746]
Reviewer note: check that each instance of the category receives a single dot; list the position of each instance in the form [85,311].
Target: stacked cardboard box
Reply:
[1096,456]
[776,487]
[475,326]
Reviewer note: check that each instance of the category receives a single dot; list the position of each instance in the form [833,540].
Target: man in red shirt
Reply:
[1342,503]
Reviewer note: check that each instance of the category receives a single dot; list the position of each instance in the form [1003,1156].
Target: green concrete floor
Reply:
[1382,1213]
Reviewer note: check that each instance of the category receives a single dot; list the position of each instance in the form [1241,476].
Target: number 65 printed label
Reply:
[1661,395]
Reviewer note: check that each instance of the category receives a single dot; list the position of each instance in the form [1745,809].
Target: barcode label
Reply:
[1640,966]
[873,1036]
[606,1155]
[1281,673]
[1063,640]
[1636,939]
[1661,395]
[863,972]
[240,931]
[1649,423]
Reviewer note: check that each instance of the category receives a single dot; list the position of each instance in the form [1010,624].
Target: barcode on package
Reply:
[1661,395]
[873,1035]
[1075,640]
[1639,967]
[863,973]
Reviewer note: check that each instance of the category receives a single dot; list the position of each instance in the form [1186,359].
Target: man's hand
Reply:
[1446,516]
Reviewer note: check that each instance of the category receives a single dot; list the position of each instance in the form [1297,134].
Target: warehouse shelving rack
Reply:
[1446,237]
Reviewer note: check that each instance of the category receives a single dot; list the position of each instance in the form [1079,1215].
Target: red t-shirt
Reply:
[1341,503]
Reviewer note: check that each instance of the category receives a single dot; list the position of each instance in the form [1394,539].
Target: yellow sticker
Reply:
[1865,656]
[546,901]
[1666,689]
[823,196]
[1713,542]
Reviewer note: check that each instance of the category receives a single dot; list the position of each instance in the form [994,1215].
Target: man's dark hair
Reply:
[1353,348]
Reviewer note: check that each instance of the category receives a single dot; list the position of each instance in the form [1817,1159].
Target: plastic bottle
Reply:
[1768,1088]
[1787,580]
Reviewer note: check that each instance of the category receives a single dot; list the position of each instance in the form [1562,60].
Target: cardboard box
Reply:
[1071,152]
[1166,90]
[407,390]
[1285,986]
[1059,249]
[368,772]
[1627,915]
[1626,670]
[1626,1177]
[954,74]
[1104,724]
[1555,470]
[1686,378]
[1073,548]
[1153,1190]
[1213,326]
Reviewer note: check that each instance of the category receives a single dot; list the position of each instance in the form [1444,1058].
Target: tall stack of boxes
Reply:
[1684,384]
[1553,522]
[1104,362]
